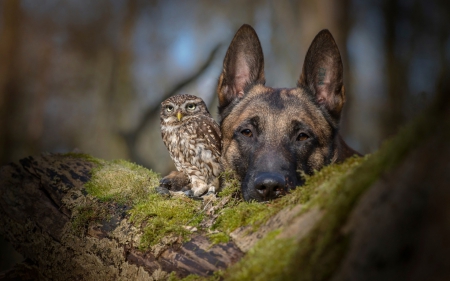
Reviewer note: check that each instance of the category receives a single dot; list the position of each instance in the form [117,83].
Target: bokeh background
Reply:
[89,76]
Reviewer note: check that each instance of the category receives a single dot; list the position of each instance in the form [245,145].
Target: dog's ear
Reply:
[243,66]
[322,73]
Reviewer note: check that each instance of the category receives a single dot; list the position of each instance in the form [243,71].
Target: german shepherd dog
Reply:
[270,136]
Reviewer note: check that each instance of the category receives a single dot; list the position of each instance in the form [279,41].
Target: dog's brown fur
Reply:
[272,135]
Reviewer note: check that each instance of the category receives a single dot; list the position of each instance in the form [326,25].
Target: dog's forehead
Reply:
[280,99]
[272,101]
[278,108]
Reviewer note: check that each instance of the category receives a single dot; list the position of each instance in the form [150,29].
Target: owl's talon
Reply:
[175,181]
[209,193]
[162,191]
[189,193]
[165,183]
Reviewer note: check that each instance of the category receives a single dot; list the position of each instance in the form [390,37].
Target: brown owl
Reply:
[193,139]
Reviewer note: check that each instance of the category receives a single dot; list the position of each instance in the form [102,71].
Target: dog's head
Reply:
[270,136]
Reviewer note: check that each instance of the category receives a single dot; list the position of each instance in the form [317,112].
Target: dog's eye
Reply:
[169,108]
[190,106]
[247,133]
[302,137]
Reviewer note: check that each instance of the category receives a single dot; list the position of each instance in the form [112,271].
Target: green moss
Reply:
[231,186]
[219,237]
[319,186]
[85,216]
[191,277]
[267,260]
[217,276]
[236,212]
[84,156]
[122,182]
[245,213]
[163,216]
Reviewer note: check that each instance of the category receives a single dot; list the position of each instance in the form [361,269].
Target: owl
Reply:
[193,139]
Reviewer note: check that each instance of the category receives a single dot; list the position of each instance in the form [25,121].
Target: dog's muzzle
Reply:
[270,185]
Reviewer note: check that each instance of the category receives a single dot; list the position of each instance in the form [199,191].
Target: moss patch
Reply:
[122,182]
[84,156]
[244,213]
[163,216]
[231,186]
[217,276]
[267,260]
[219,237]
[86,215]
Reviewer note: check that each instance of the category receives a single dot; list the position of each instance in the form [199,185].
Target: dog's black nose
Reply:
[270,185]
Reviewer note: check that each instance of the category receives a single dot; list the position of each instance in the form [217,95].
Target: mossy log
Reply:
[38,200]
[382,217]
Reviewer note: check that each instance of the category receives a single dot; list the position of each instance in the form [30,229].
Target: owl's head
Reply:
[180,108]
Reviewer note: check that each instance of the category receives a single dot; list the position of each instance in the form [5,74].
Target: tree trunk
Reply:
[10,28]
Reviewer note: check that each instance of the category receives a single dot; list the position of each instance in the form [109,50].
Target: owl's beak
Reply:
[179,115]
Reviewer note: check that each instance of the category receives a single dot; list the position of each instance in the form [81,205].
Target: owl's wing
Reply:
[209,129]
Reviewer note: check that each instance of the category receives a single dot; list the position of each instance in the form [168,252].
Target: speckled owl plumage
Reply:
[193,141]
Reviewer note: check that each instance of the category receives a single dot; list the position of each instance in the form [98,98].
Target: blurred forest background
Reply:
[90,75]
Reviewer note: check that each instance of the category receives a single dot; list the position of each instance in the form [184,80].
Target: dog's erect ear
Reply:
[322,73]
[243,65]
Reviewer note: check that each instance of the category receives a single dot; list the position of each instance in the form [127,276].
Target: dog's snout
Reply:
[270,185]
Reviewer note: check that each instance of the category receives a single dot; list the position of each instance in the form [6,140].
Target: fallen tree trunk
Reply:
[38,199]
[381,218]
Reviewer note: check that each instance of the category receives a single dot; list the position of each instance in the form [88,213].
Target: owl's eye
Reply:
[169,108]
[247,133]
[190,106]
[302,137]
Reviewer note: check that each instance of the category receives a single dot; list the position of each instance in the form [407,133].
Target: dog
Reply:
[270,136]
